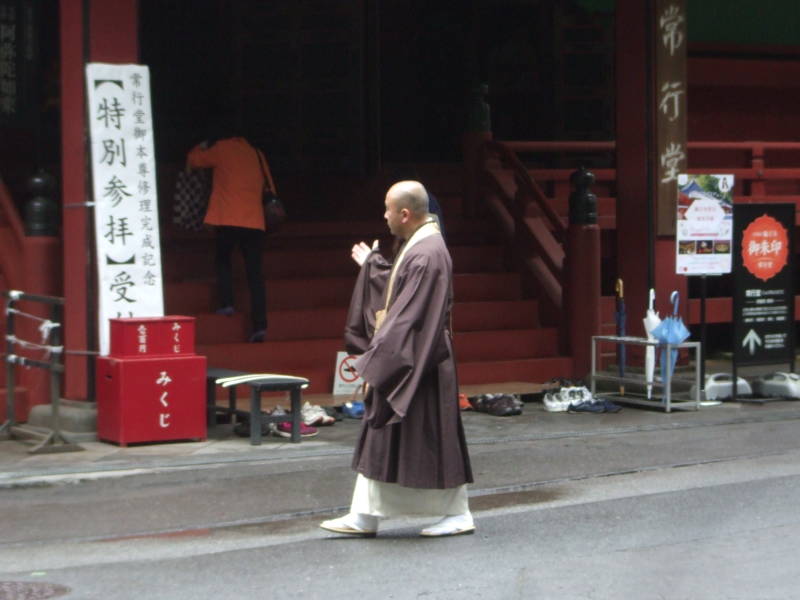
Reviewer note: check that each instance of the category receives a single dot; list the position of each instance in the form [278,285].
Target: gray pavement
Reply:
[100,460]
[637,504]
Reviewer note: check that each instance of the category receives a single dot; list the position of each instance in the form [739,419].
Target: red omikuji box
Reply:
[151,399]
[151,336]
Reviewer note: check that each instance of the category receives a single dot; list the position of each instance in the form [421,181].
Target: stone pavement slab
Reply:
[19,468]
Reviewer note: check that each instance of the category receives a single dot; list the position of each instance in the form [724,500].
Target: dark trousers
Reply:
[251,243]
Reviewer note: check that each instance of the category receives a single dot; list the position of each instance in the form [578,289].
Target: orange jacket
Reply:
[238,182]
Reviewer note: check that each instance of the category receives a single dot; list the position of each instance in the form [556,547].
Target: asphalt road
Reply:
[695,513]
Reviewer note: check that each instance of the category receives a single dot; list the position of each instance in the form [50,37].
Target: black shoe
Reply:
[257,336]
[242,427]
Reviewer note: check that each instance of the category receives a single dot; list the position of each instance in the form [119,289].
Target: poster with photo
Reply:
[125,201]
[704,229]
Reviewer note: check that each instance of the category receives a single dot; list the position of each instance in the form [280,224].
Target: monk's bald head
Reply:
[411,195]
[406,207]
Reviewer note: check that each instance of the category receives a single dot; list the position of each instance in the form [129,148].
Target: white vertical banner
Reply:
[125,197]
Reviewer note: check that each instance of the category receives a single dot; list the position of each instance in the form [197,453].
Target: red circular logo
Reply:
[765,247]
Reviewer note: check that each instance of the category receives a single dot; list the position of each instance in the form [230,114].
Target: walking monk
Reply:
[411,456]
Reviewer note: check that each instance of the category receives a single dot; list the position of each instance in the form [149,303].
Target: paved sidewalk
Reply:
[18,468]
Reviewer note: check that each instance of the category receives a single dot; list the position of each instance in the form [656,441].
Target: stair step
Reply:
[283,325]
[329,322]
[505,345]
[198,263]
[537,370]
[278,356]
[302,235]
[495,314]
[534,370]
[316,358]
[192,297]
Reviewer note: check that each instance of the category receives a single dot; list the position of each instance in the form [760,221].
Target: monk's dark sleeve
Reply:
[411,340]
[366,299]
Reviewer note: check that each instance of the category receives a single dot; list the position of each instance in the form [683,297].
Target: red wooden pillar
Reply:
[636,102]
[582,294]
[111,37]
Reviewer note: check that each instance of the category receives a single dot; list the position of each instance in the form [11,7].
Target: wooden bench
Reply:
[258,383]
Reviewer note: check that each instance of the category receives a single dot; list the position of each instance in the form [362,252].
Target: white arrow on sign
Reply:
[751,339]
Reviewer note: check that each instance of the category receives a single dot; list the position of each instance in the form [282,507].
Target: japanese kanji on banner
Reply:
[704,232]
[125,199]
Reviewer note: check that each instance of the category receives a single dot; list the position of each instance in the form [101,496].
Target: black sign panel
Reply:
[763,266]
[17,60]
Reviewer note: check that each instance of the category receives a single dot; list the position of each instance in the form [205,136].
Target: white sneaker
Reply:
[316,415]
[552,402]
[451,525]
[353,524]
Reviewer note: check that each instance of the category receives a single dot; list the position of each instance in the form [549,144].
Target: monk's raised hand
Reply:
[360,252]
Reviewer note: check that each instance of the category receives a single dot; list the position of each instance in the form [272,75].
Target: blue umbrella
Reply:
[671,331]
[619,317]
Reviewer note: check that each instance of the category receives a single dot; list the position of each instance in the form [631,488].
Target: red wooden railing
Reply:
[531,202]
[12,237]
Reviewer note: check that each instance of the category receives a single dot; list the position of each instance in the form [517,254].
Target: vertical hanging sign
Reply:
[17,56]
[125,200]
[670,109]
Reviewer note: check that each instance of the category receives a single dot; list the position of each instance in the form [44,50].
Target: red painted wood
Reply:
[113,37]
[582,302]
[633,150]
[73,191]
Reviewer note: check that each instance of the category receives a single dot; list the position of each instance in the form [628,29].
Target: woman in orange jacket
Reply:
[236,212]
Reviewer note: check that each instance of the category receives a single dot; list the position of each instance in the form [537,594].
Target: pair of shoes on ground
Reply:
[560,399]
[284,429]
[242,427]
[352,410]
[316,416]
[359,525]
[499,405]
[594,405]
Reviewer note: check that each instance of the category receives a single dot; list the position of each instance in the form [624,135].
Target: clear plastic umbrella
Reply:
[671,331]
[651,321]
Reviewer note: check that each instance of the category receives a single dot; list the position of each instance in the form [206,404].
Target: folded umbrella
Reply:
[651,321]
[671,331]
[620,316]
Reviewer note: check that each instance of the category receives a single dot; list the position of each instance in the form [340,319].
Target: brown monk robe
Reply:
[411,455]
[412,432]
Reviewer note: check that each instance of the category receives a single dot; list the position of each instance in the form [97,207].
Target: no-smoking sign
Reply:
[345,380]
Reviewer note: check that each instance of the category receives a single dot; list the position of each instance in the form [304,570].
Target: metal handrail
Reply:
[51,440]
